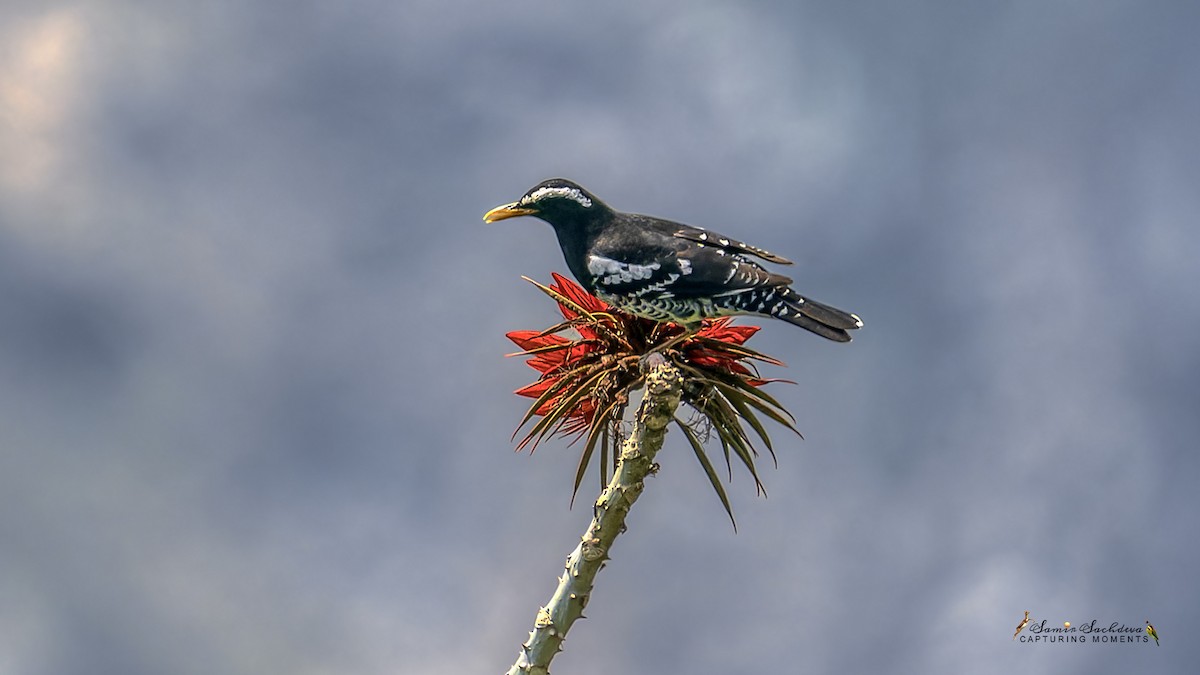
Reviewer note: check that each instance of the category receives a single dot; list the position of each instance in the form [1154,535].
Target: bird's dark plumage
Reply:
[668,271]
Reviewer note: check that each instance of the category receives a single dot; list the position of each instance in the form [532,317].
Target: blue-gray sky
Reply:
[254,415]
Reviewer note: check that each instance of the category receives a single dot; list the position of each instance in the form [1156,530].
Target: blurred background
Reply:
[254,410]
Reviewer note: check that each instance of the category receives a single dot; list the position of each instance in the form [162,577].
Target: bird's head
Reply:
[557,201]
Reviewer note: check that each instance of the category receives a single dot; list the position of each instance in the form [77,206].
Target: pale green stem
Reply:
[663,386]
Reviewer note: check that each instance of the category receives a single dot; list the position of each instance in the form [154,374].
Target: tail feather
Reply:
[827,315]
[814,326]
[781,302]
[828,322]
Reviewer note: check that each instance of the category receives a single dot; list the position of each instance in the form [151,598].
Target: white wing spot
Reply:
[685,266]
[724,242]
[703,236]
[732,271]
[609,271]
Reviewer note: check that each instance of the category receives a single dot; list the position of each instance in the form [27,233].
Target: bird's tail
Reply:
[828,322]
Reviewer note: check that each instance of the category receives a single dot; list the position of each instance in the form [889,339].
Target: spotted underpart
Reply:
[767,301]
[684,311]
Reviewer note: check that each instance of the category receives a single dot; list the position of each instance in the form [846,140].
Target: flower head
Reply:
[590,364]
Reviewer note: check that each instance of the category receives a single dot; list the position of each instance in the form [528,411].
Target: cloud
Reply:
[38,85]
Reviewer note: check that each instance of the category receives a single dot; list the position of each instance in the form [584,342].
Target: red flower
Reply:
[586,378]
[621,337]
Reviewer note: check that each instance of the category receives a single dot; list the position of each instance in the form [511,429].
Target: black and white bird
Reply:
[668,271]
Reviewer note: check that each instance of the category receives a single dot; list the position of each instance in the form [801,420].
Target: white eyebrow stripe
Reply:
[570,193]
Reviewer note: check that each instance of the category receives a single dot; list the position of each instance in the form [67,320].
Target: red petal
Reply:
[720,330]
[579,419]
[530,339]
[559,358]
[575,293]
[548,361]
[711,360]
[535,389]
[746,332]
[706,361]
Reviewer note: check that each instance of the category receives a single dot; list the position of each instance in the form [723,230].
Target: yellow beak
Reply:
[507,211]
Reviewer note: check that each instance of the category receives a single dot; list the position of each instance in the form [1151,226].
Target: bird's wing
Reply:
[680,270]
[709,238]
